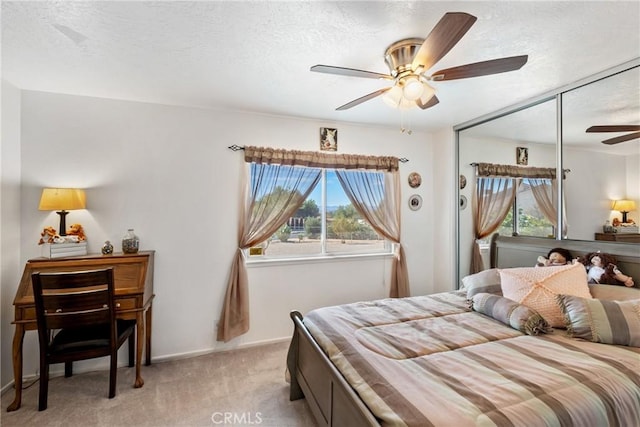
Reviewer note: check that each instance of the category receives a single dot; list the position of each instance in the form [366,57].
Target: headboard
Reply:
[509,251]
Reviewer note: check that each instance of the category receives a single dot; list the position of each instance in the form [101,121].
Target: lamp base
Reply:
[624,217]
[62,231]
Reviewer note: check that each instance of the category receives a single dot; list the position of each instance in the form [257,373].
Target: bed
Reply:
[448,360]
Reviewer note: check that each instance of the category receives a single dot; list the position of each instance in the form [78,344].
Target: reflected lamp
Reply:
[624,207]
[62,200]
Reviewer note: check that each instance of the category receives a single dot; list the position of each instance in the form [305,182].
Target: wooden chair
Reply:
[75,312]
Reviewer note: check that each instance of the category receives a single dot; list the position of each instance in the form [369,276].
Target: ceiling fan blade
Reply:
[493,66]
[622,138]
[362,99]
[447,32]
[430,103]
[614,128]
[352,72]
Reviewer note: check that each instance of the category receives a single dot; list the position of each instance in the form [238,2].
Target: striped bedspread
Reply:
[429,361]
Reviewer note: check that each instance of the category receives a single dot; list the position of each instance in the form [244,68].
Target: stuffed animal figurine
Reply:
[77,230]
[48,235]
[555,257]
[602,269]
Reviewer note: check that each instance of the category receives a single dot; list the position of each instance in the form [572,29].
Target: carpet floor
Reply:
[232,388]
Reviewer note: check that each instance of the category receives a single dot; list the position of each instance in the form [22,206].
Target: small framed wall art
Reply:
[414,180]
[328,139]
[522,156]
[415,202]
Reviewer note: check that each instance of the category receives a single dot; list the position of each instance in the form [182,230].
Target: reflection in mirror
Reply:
[601,173]
[500,141]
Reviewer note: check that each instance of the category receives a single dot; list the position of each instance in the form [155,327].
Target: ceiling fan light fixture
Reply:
[412,88]
[427,93]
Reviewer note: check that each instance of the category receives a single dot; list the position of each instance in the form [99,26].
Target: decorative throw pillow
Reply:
[485,281]
[509,312]
[537,288]
[608,322]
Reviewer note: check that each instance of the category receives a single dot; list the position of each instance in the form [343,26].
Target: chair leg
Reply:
[44,386]
[113,370]
[132,345]
[68,369]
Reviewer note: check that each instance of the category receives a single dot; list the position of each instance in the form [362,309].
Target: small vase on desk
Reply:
[130,242]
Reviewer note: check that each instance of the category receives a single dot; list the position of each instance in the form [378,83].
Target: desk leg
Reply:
[148,336]
[139,346]
[18,340]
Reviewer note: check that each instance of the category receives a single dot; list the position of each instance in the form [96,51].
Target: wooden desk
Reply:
[133,277]
[619,237]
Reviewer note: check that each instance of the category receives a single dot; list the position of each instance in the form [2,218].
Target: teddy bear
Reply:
[48,235]
[602,269]
[77,230]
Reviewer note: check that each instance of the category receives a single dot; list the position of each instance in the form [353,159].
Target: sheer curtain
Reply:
[274,195]
[376,196]
[546,194]
[492,201]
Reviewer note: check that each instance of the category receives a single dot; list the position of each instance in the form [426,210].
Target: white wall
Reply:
[9,219]
[166,172]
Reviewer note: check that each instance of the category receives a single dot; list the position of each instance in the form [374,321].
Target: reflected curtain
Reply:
[492,201]
[546,194]
[376,196]
[275,192]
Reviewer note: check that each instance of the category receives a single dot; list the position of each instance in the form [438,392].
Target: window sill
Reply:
[252,262]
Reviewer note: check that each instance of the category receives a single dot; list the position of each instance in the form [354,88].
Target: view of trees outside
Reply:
[346,230]
[531,221]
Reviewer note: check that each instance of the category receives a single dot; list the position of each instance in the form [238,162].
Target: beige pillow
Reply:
[537,288]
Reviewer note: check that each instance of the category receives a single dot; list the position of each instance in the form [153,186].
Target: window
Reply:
[327,223]
[525,217]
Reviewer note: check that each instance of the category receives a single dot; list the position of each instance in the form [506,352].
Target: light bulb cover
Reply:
[413,88]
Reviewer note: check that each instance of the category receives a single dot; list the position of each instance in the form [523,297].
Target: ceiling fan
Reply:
[618,128]
[410,59]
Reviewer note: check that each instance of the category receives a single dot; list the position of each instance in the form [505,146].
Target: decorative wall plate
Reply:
[463,181]
[414,180]
[463,203]
[415,202]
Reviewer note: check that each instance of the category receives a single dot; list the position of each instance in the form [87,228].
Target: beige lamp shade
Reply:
[624,205]
[64,199]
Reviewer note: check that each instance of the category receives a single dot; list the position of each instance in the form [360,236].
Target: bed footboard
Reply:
[332,400]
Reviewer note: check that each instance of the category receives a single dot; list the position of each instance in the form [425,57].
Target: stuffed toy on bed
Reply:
[555,257]
[602,269]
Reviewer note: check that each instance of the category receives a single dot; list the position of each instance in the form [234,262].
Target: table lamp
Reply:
[62,200]
[624,207]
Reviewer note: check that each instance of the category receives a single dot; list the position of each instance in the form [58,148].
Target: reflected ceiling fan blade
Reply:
[447,32]
[614,128]
[493,66]
[352,72]
[362,99]
[622,138]
[430,103]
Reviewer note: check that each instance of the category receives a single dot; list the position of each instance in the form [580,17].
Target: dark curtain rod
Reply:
[235,147]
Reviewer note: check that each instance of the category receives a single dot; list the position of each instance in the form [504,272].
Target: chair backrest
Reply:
[73,299]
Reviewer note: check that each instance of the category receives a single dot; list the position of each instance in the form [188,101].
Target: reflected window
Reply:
[526,217]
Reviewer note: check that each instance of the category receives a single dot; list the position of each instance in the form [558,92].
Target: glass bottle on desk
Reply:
[130,242]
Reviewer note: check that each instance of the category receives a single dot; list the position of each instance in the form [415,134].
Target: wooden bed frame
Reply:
[332,400]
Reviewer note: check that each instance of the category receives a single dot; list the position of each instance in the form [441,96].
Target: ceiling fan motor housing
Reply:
[400,54]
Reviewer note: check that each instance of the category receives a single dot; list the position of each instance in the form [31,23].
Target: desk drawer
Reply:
[126,303]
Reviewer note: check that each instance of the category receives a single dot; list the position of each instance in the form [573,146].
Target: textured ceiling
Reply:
[255,56]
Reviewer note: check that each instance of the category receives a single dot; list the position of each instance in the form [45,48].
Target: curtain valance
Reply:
[511,171]
[319,160]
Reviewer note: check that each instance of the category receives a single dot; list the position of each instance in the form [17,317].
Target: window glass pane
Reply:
[531,220]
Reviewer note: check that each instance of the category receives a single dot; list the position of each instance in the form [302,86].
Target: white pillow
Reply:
[537,288]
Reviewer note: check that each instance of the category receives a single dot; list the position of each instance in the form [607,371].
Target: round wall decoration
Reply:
[463,203]
[414,180]
[463,181]
[415,202]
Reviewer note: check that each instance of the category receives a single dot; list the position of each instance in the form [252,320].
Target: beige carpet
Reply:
[234,388]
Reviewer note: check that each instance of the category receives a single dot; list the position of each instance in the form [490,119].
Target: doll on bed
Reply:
[555,257]
[602,269]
